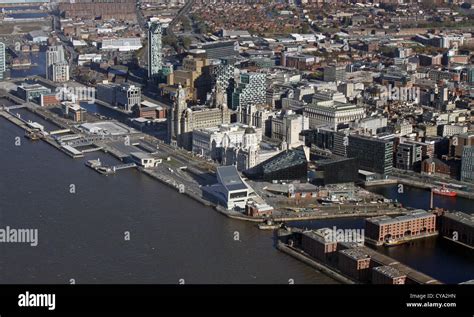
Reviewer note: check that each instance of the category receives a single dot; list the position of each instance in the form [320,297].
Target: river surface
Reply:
[420,198]
[436,257]
[82,235]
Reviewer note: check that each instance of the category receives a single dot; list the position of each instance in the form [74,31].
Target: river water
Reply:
[420,198]
[82,235]
[436,257]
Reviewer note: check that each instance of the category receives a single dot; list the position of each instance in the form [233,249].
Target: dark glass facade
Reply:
[374,155]
[288,165]
[336,171]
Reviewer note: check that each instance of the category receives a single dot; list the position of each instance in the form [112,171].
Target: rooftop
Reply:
[356,254]
[461,217]
[230,178]
[389,271]
[285,159]
[141,155]
[106,127]
[298,187]
[149,104]
[27,86]
[333,106]
[320,235]
[38,33]
[412,215]
[74,106]
[230,127]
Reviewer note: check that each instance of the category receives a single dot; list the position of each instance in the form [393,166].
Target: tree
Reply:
[170,40]
[305,28]
[316,75]
[186,42]
[202,27]
[185,23]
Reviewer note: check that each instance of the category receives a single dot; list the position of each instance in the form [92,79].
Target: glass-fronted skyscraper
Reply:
[54,55]
[470,74]
[223,72]
[251,90]
[2,61]
[467,165]
[155,59]
[374,155]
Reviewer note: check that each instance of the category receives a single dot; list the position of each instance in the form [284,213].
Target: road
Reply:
[182,12]
[66,43]
[140,17]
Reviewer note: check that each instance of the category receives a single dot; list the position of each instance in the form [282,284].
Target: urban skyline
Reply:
[337,134]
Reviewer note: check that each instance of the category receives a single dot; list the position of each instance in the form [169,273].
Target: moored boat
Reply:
[269,225]
[33,135]
[393,242]
[97,166]
[443,191]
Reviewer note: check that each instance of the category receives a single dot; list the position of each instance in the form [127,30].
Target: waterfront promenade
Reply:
[188,174]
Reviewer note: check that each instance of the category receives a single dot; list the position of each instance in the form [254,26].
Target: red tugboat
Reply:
[443,191]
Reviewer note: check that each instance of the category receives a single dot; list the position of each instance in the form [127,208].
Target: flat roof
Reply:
[366,173]
[461,217]
[320,235]
[106,127]
[73,106]
[141,155]
[416,214]
[146,103]
[301,187]
[389,271]
[27,86]
[356,253]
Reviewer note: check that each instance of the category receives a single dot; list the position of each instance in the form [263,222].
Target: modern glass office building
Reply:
[155,59]
[2,61]
[251,89]
[467,165]
[285,166]
[336,171]
[374,155]
[218,50]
